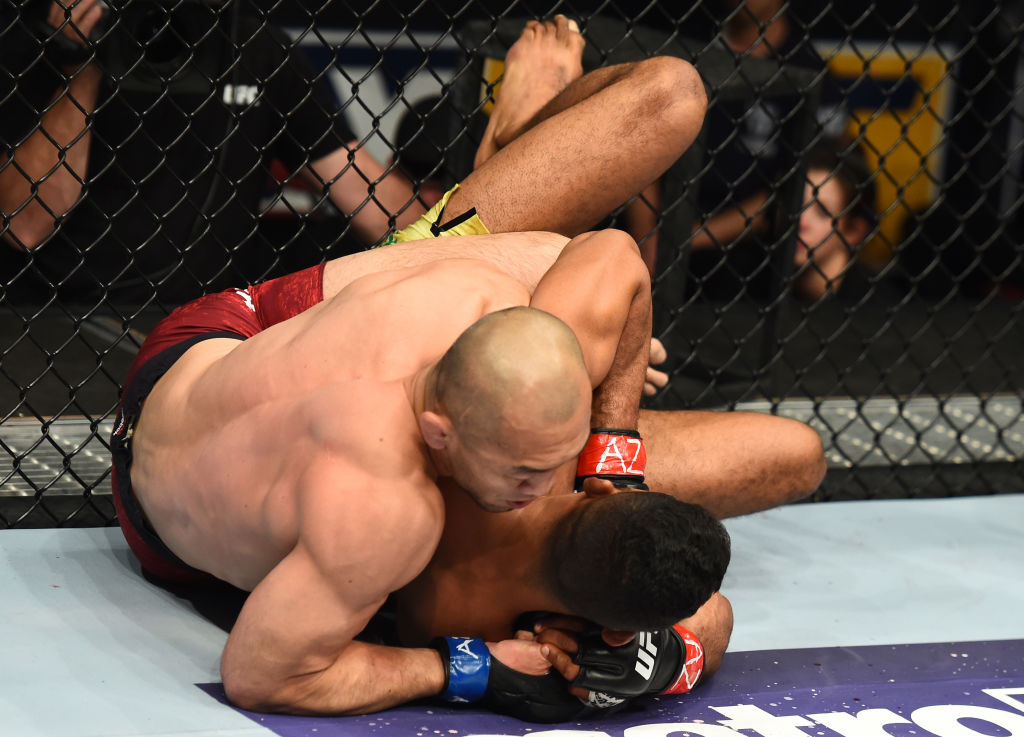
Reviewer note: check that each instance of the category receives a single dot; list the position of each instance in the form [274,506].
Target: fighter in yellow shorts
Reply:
[429,224]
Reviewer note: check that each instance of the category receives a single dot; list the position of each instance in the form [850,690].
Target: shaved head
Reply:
[512,371]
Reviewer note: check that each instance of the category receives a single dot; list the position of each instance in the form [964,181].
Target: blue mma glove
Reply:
[472,675]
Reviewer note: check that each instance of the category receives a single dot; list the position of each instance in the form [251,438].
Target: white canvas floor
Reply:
[92,650]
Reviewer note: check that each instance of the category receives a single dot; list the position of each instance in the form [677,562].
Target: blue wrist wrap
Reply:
[469,667]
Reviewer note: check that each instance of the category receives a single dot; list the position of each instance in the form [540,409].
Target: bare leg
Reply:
[600,141]
[542,63]
[731,463]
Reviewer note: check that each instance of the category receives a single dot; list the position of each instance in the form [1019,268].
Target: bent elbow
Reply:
[716,641]
[244,693]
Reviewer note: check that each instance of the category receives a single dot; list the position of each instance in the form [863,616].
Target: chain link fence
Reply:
[843,243]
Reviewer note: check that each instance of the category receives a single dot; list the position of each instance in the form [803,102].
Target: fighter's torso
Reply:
[228,439]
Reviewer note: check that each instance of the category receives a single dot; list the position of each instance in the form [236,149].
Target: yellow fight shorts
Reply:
[429,224]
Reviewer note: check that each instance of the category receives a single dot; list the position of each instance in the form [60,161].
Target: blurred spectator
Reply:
[746,147]
[422,138]
[838,215]
[137,144]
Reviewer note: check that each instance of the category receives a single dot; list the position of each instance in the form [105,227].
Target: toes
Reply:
[564,26]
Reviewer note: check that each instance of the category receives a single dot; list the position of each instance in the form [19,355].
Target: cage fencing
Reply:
[842,244]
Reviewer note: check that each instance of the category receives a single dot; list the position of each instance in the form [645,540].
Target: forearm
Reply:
[732,223]
[374,197]
[601,288]
[712,624]
[364,679]
[616,402]
[43,179]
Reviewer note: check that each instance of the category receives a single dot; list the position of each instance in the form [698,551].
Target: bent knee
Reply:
[676,85]
[807,458]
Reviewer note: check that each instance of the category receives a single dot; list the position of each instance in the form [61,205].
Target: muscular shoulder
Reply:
[367,502]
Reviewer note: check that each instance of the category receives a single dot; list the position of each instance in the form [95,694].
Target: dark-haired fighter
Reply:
[632,561]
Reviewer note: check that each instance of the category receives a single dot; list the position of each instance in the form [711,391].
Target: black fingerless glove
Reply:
[667,661]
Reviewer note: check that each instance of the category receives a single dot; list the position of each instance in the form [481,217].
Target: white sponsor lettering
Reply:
[748,716]
[866,723]
[943,720]
[1006,696]
[637,445]
[611,453]
[613,457]
[240,94]
[663,730]
[463,647]
[246,297]
[645,656]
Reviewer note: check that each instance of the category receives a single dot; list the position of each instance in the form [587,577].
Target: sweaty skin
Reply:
[302,463]
[486,572]
[280,463]
[731,463]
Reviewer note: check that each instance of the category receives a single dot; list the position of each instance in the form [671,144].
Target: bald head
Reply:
[513,370]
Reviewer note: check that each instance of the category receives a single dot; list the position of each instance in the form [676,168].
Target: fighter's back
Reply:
[238,435]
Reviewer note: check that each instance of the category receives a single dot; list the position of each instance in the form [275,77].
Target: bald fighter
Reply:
[288,437]
[300,460]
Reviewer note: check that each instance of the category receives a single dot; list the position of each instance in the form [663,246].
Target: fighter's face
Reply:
[510,472]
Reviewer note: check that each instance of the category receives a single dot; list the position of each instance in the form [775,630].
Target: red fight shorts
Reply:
[233,313]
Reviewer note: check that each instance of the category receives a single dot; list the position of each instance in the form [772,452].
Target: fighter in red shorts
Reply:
[235,314]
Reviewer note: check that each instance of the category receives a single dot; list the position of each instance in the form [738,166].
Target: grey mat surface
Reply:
[92,650]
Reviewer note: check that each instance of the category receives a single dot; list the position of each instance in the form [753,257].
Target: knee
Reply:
[806,459]
[676,87]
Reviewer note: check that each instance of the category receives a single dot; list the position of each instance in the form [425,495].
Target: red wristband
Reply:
[613,453]
[693,662]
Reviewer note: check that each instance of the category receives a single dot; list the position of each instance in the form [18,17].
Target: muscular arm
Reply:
[43,178]
[600,287]
[365,191]
[292,650]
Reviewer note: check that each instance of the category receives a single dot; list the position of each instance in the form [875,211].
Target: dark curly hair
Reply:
[637,561]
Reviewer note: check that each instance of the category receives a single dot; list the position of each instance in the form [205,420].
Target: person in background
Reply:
[838,215]
[137,144]
[747,151]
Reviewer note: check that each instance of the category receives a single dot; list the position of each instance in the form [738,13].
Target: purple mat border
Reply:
[753,687]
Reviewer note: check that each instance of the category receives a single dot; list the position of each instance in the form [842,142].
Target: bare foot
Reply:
[541,63]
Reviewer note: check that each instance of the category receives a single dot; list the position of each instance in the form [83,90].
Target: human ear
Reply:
[436,429]
[854,230]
